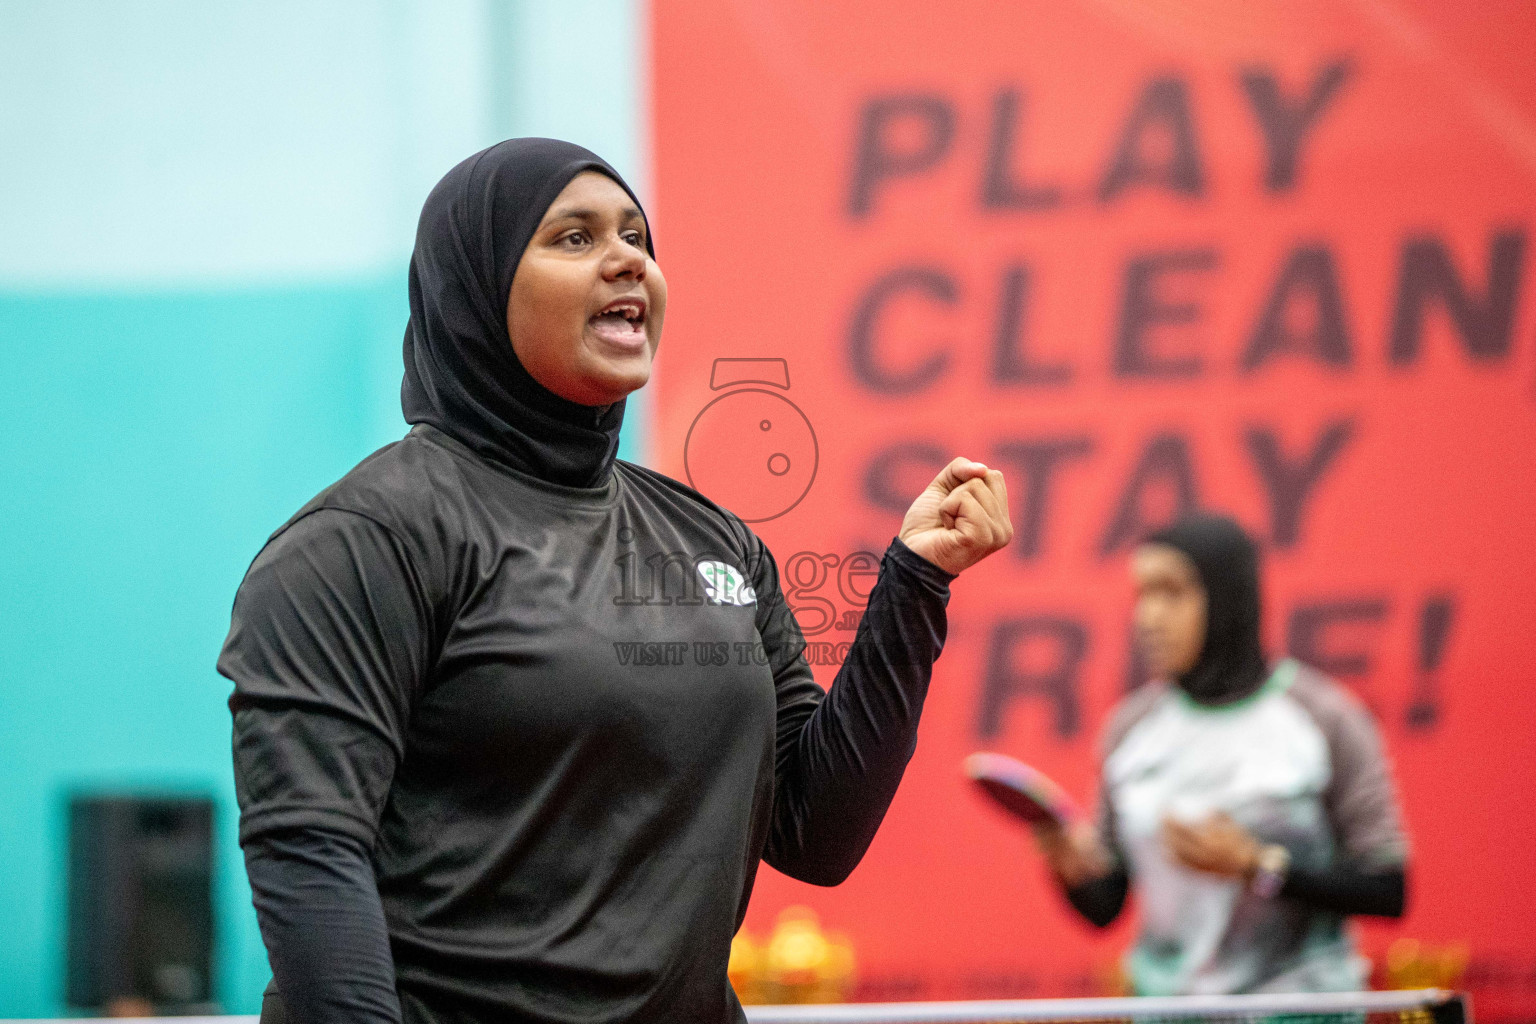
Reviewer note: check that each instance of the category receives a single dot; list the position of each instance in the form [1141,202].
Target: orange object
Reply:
[803,964]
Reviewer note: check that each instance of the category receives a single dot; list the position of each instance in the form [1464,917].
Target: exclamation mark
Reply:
[1434,630]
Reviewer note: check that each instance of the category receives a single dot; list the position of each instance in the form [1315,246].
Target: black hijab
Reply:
[461,374]
[1232,663]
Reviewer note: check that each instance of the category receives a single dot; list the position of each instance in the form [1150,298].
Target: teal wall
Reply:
[206,211]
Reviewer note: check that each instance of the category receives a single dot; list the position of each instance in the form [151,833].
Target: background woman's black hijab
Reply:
[461,374]
[1232,663]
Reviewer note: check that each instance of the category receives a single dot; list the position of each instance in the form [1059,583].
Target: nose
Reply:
[623,262]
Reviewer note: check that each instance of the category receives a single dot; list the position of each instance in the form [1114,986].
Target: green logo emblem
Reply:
[724,584]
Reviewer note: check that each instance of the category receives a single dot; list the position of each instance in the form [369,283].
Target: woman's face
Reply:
[1170,609]
[587,300]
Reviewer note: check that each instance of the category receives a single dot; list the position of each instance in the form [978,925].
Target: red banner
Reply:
[1272,258]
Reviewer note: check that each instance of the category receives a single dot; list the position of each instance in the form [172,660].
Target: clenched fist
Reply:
[960,518]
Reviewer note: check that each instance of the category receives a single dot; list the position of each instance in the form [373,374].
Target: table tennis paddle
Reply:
[1024,792]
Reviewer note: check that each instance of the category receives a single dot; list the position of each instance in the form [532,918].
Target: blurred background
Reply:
[1271,258]
[206,212]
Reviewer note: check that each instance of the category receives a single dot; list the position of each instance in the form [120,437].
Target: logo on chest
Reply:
[724,584]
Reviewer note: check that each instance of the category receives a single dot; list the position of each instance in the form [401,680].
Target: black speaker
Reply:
[141,902]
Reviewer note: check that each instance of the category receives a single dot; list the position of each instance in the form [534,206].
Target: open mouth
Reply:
[621,321]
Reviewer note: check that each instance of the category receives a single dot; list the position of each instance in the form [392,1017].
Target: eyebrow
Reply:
[584,213]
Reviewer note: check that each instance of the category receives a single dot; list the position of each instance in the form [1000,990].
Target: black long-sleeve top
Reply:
[510,750]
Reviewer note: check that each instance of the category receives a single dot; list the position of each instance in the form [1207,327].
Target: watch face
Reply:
[753,452]
[1272,862]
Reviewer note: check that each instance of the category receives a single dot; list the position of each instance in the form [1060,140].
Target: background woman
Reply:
[460,800]
[1249,801]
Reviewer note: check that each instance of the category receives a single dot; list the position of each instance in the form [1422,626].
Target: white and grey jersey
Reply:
[1299,763]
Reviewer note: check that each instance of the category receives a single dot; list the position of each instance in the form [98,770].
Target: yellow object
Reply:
[1413,964]
[800,963]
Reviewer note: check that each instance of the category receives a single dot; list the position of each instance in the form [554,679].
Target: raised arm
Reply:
[841,756]
[328,644]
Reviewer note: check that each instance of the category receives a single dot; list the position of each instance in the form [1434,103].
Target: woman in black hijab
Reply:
[1229,663]
[1251,801]
[490,763]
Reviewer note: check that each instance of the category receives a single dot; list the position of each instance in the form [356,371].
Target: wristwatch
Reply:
[1270,867]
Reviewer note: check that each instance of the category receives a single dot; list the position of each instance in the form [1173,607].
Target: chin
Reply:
[610,382]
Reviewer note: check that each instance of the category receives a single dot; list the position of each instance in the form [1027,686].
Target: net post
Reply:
[1456,1008]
